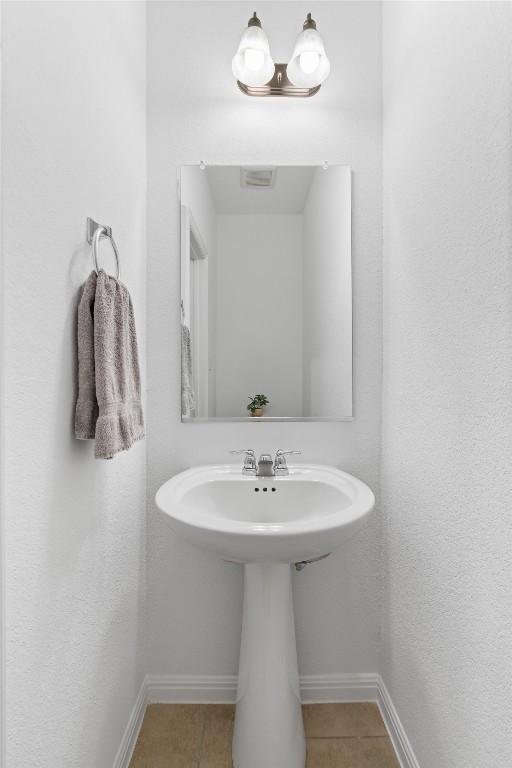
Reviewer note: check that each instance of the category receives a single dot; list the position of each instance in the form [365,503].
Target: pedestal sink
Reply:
[267,523]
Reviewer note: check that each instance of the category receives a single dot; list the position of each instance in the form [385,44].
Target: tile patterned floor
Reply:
[199,736]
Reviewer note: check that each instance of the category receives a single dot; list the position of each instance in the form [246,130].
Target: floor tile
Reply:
[375,752]
[336,720]
[200,736]
[170,736]
[217,736]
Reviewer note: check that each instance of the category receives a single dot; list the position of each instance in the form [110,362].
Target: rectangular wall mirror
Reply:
[266,292]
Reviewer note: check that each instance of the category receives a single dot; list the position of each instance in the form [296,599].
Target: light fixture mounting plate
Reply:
[280,85]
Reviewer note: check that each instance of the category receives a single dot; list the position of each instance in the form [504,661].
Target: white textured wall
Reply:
[259,312]
[73,145]
[196,112]
[327,301]
[447,440]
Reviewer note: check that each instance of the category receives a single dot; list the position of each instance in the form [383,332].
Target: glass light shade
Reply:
[309,66]
[252,63]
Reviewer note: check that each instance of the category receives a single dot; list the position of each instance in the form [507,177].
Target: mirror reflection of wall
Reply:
[266,291]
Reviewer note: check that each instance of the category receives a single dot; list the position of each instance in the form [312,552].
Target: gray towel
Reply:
[188,398]
[109,408]
[86,413]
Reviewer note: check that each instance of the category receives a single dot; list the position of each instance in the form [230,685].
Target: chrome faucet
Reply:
[265,467]
[280,465]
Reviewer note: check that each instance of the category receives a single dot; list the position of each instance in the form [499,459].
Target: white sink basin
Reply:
[303,515]
[267,523]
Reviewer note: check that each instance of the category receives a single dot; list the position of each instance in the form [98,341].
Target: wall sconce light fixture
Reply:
[257,75]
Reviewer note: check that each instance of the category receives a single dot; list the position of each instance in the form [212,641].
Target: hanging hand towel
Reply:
[188,398]
[86,413]
[118,419]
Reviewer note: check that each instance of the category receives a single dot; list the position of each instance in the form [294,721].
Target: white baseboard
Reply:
[316,689]
[125,751]
[212,689]
[221,689]
[396,731]
[191,689]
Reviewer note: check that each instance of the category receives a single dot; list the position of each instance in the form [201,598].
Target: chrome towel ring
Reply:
[95,232]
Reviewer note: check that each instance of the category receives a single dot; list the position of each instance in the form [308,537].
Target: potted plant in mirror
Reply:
[257,404]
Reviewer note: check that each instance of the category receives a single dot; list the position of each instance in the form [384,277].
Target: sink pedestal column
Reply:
[269,732]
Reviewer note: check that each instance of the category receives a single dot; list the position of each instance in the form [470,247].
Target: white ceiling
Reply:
[288,195]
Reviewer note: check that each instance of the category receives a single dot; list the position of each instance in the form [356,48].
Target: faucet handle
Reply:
[249,466]
[280,466]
